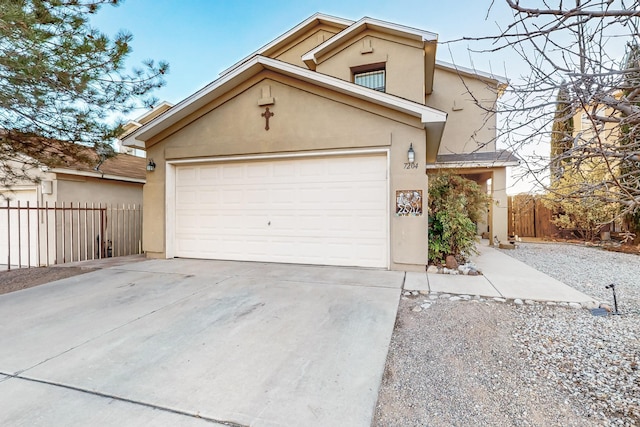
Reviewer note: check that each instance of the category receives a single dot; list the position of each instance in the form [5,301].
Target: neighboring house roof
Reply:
[66,157]
[121,167]
[293,33]
[477,159]
[430,117]
[145,118]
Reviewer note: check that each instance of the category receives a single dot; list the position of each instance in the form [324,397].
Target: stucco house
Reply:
[315,149]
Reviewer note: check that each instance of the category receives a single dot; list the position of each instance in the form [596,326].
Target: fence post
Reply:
[39,243]
[47,228]
[8,235]
[28,236]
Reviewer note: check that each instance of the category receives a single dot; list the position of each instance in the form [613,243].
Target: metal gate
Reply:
[33,235]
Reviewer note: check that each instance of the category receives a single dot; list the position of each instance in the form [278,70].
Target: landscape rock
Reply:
[451,262]
[432,269]
[589,305]
[518,301]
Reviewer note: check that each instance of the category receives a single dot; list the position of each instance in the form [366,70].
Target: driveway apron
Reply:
[192,342]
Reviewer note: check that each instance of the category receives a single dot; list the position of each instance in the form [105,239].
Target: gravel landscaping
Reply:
[594,357]
[483,362]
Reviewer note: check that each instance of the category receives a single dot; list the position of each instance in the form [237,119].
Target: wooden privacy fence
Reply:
[528,217]
[39,235]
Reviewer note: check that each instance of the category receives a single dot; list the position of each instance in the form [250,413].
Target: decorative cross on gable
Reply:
[267,115]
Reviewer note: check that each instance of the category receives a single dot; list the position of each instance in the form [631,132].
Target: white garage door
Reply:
[329,210]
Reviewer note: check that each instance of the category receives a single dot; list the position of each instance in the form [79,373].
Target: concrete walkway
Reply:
[503,277]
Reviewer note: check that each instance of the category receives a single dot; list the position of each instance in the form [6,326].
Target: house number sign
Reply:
[413,165]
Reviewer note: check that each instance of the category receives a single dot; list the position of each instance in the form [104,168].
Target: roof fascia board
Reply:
[311,58]
[460,165]
[195,100]
[19,187]
[151,111]
[303,26]
[472,72]
[426,114]
[254,66]
[96,174]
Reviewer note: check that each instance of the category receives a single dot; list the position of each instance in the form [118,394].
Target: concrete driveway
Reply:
[191,342]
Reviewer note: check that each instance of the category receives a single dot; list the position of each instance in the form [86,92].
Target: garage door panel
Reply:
[256,197]
[329,210]
[209,174]
[185,174]
[370,223]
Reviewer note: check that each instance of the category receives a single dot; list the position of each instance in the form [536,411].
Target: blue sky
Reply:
[200,38]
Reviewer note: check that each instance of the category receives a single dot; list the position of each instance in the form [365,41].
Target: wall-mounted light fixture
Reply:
[47,187]
[411,155]
[151,166]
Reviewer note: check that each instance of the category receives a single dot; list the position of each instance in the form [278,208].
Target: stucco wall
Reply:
[469,128]
[404,62]
[306,119]
[70,188]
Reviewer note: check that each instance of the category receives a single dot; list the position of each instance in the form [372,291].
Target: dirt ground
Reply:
[23,278]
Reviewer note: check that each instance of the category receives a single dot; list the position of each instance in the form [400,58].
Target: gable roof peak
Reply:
[311,58]
[303,26]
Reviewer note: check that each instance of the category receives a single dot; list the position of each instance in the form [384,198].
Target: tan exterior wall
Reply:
[468,127]
[404,63]
[70,188]
[304,120]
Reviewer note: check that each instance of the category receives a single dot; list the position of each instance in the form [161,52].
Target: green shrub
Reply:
[455,206]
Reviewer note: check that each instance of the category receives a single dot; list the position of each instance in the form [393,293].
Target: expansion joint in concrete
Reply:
[122,399]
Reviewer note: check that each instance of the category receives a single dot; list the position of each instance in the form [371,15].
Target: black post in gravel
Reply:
[615,300]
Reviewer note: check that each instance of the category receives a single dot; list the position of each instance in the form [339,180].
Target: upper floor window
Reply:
[371,77]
